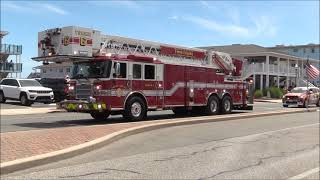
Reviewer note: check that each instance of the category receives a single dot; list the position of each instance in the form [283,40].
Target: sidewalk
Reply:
[268,100]
[23,144]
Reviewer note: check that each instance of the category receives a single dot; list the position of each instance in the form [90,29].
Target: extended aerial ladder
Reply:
[123,45]
[73,43]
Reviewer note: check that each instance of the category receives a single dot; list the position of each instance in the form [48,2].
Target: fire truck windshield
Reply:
[91,70]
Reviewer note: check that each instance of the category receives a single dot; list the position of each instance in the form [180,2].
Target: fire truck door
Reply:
[159,86]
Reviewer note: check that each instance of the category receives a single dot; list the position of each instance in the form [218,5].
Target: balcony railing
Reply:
[11,49]
[11,67]
[261,68]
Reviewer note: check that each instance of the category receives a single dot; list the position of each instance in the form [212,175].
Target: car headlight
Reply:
[32,91]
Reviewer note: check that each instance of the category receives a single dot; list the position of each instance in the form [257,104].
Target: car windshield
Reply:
[298,90]
[25,83]
[91,70]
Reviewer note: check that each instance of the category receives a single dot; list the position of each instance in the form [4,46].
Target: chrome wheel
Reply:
[136,109]
[213,106]
[227,105]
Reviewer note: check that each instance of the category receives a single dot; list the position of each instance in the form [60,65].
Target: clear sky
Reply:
[187,23]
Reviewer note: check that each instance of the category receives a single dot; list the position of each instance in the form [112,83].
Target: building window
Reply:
[44,71]
[50,70]
[304,50]
[312,50]
[295,50]
[61,70]
[68,70]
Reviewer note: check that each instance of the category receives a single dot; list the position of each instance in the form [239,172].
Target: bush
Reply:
[258,94]
[265,91]
[275,92]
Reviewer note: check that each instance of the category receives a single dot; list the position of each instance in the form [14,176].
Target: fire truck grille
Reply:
[83,91]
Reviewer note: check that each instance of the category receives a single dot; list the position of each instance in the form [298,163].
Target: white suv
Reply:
[26,91]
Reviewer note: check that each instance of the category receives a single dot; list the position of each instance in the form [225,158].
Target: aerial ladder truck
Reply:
[120,75]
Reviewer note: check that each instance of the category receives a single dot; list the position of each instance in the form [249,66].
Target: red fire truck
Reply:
[119,75]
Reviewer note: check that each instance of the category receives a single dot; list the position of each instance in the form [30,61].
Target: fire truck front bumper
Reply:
[82,106]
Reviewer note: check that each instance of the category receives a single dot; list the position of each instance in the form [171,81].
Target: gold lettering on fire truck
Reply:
[66,40]
[183,52]
[119,92]
[83,33]
[83,41]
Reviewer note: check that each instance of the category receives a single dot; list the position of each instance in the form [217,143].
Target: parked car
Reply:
[58,85]
[26,91]
[302,97]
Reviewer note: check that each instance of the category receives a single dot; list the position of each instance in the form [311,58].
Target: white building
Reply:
[310,50]
[269,67]
[52,70]
[10,58]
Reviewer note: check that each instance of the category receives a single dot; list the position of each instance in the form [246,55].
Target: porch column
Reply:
[287,78]
[254,80]
[278,67]
[268,70]
[261,81]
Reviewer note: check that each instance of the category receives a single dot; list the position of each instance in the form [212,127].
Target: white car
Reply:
[26,91]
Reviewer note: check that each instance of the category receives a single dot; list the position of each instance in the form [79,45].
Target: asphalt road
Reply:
[61,119]
[275,147]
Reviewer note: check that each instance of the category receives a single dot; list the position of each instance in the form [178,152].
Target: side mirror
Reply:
[117,69]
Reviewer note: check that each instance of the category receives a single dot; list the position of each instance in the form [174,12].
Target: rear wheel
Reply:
[24,100]
[100,115]
[226,105]
[2,98]
[135,109]
[318,104]
[212,107]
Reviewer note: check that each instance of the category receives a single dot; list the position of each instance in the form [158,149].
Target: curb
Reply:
[29,162]
[266,101]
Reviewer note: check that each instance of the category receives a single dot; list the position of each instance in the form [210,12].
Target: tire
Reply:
[318,103]
[135,109]
[226,105]
[180,111]
[100,115]
[24,100]
[2,98]
[213,106]
[285,105]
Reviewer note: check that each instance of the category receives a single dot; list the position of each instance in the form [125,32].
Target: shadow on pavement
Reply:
[91,122]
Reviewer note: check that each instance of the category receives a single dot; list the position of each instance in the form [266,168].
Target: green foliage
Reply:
[276,92]
[265,91]
[258,94]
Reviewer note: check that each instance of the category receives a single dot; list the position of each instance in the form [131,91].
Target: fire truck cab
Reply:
[131,77]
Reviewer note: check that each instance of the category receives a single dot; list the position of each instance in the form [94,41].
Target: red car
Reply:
[302,97]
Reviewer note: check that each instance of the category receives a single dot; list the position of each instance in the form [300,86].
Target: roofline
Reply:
[274,53]
[292,46]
